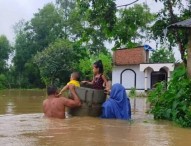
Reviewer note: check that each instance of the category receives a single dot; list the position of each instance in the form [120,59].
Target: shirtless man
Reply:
[54,106]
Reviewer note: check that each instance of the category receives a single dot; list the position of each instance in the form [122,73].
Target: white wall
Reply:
[128,76]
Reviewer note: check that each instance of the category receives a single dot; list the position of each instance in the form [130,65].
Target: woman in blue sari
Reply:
[118,105]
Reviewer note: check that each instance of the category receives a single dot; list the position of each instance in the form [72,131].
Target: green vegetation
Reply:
[132,26]
[132,93]
[68,36]
[167,16]
[71,34]
[162,56]
[5,49]
[173,104]
[55,61]
[85,65]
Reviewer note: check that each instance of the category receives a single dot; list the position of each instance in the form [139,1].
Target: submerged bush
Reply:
[173,103]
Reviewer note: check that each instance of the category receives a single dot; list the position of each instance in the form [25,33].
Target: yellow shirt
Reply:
[74,82]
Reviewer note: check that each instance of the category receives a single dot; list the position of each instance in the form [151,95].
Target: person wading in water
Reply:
[54,106]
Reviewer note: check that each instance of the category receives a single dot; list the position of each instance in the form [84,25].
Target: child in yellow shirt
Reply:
[74,80]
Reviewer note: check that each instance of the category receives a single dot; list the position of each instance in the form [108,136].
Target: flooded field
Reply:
[22,124]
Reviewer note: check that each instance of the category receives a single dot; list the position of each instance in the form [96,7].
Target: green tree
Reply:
[66,9]
[96,20]
[25,77]
[87,25]
[162,56]
[11,77]
[132,25]
[7,79]
[100,13]
[56,62]
[5,50]
[33,36]
[45,27]
[168,16]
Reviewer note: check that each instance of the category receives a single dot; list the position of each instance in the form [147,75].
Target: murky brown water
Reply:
[22,124]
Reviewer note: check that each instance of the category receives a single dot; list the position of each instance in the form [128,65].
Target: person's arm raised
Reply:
[63,89]
[75,102]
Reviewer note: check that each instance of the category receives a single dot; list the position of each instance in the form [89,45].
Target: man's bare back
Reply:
[54,106]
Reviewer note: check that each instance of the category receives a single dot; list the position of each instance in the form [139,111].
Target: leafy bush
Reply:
[133,93]
[174,103]
[56,62]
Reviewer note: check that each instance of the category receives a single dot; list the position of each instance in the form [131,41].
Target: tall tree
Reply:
[45,27]
[100,13]
[168,16]
[26,73]
[132,26]
[33,36]
[66,8]
[5,50]
[98,20]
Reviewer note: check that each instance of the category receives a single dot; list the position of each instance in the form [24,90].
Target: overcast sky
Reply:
[11,11]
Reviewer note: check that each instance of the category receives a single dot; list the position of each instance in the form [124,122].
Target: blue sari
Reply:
[118,105]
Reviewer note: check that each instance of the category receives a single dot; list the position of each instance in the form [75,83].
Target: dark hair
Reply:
[98,64]
[76,75]
[51,90]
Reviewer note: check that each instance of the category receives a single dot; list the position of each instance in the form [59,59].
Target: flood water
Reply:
[22,124]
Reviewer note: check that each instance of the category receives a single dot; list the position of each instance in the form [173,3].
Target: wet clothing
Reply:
[74,82]
[118,105]
[98,82]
